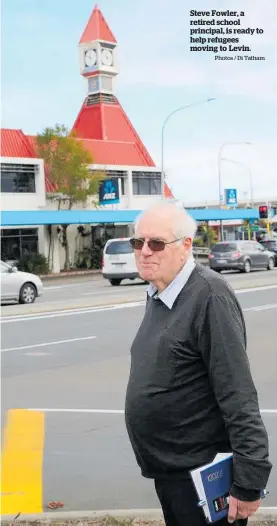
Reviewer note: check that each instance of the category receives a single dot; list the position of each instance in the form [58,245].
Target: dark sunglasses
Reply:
[156,245]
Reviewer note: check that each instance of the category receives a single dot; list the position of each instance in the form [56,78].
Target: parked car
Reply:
[119,261]
[240,255]
[270,244]
[19,286]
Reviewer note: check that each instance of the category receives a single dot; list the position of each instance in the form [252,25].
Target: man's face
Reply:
[160,267]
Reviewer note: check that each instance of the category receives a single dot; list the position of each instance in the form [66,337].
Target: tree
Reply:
[67,160]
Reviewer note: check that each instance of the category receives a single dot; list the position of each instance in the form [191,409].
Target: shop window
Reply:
[16,243]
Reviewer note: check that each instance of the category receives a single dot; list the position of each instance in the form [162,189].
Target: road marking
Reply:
[97,411]
[262,307]
[22,461]
[36,354]
[255,289]
[105,308]
[59,287]
[93,310]
[46,344]
[71,312]
[106,411]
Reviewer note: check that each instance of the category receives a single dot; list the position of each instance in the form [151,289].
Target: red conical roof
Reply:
[109,123]
[97,28]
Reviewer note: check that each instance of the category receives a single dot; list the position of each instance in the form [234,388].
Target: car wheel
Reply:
[115,282]
[247,266]
[271,264]
[28,293]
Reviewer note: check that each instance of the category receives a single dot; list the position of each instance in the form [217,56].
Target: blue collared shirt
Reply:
[169,295]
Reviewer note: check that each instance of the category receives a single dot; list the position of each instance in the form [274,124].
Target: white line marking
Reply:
[262,307]
[106,411]
[84,310]
[36,354]
[71,312]
[99,411]
[88,310]
[255,289]
[46,344]
[58,287]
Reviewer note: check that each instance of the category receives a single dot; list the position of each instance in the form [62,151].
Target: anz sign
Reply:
[109,192]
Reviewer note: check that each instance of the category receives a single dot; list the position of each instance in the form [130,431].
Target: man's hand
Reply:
[239,509]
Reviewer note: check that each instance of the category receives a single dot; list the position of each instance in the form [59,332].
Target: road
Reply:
[94,290]
[72,367]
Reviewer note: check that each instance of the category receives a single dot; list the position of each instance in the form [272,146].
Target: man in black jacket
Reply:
[190,393]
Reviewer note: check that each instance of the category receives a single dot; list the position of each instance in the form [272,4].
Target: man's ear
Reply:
[187,243]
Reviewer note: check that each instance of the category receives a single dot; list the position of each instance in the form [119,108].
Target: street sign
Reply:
[231,196]
[254,228]
[109,192]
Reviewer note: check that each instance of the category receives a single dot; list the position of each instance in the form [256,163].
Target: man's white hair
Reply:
[183,225]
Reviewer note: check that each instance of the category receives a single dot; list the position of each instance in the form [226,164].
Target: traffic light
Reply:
[263,212]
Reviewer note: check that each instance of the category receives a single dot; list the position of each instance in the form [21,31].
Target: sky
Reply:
[41,85]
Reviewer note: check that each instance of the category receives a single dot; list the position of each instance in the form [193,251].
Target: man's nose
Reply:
[146,251]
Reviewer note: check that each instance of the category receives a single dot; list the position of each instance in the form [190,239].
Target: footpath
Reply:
[119,518]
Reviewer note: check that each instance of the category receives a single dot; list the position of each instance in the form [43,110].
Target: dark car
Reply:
[270,244]
[240,255]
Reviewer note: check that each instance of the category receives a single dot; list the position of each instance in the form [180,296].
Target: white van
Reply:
[119,261]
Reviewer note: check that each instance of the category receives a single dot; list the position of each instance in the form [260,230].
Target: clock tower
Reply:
[97,58]
[102,123]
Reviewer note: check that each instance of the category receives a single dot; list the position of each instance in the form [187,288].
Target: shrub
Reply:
[34,263]
[90,258]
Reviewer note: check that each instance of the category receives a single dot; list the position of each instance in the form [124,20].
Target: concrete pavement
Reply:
[73,367]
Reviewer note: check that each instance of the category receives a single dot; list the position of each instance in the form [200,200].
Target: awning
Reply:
[81,217]
[66,217]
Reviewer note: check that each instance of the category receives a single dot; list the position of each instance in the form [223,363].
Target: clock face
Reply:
[107,57]
[90,57]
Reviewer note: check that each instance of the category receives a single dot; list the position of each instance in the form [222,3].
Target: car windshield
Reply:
[224,247]
[119,247]
[269,244]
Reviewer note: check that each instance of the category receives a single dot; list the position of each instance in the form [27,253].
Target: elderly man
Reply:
[190,393]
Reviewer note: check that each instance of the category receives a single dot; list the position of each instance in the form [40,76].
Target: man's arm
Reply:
[223,344]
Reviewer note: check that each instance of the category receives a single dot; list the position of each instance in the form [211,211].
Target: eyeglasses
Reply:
[156,245]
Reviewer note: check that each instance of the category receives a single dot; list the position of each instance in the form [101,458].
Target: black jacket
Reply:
[190,393]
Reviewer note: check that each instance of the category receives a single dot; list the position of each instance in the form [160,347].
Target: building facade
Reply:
[22,188]
[107,133]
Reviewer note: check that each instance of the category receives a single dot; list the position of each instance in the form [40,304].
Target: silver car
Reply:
[19,286]
[240,255]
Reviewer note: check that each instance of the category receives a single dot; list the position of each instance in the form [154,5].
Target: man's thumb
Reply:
[233,507]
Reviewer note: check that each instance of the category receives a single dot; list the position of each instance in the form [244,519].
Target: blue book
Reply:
[213,483]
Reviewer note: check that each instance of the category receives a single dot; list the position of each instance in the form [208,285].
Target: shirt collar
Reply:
[169,295]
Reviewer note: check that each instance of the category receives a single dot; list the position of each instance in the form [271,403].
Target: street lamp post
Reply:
[219,175]
[163,129]
[249,173]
